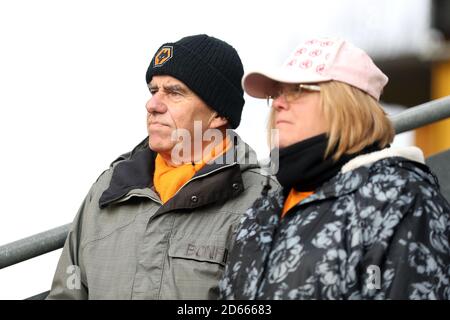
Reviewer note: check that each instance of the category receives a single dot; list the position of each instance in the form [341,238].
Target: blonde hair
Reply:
[354,120]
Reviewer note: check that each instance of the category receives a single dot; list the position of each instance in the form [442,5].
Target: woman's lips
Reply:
[282,122]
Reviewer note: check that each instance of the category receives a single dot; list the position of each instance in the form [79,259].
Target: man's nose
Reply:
[155,104]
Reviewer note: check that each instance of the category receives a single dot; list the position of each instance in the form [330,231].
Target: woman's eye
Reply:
[295,90]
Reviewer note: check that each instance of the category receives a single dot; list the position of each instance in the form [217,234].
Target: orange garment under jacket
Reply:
[293,198]
[168,179]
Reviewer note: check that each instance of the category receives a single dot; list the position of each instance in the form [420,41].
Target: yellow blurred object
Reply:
[435,137]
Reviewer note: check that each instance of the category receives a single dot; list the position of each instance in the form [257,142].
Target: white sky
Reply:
[73,90]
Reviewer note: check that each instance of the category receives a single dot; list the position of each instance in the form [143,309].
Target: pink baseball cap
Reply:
[319,60]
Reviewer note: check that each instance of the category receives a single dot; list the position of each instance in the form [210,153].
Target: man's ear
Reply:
[218,122]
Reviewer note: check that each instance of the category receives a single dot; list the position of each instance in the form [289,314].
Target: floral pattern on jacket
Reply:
[380,231]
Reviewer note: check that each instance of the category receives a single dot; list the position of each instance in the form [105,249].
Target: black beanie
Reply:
[209,67]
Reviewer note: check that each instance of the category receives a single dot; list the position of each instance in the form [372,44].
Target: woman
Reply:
[356,219]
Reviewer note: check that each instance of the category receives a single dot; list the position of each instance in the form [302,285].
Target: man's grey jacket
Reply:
[125,244]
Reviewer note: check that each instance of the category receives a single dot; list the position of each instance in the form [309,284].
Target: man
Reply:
[159,223]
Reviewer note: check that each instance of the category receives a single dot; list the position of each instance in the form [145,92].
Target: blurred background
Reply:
[73,92]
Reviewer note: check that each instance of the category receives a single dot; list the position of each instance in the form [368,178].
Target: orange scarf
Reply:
[168,179]
[293,198]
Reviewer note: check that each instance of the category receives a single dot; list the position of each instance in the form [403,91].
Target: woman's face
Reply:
[297,114]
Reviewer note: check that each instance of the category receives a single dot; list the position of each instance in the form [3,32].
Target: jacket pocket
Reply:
[196,264]
[202,249]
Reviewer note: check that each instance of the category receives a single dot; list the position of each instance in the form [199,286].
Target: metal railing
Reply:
[421,115]
[33,246]
[54,239]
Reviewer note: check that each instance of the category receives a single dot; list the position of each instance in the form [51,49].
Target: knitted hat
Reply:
[209,67]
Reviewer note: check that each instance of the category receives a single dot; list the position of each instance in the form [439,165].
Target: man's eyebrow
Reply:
[176,87]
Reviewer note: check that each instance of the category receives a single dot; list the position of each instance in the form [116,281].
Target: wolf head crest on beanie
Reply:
[210,67]
[164,54]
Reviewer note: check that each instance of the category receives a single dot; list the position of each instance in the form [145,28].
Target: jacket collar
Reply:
[134,170]
[410,153]
[356,172]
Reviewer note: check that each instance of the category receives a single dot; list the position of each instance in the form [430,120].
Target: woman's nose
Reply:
[280,103]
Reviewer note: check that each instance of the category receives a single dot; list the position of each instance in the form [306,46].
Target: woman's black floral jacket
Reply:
[380,231]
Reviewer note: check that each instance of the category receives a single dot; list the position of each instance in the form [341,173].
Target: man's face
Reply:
[172,106]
